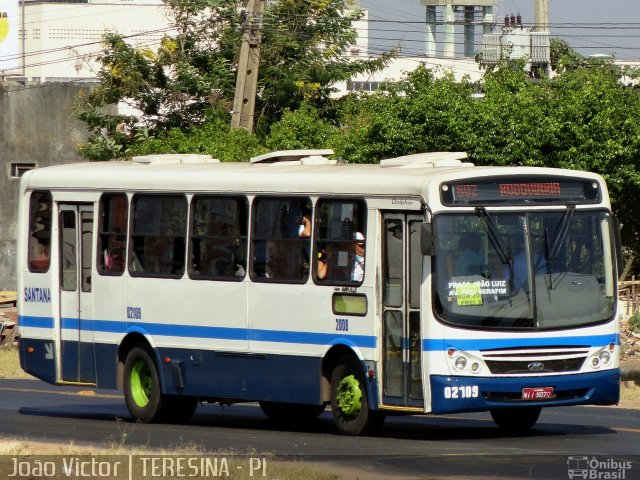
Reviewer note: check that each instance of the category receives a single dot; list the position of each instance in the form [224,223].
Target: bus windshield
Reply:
[535,270]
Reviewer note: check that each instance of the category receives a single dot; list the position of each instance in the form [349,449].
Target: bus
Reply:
[419,285]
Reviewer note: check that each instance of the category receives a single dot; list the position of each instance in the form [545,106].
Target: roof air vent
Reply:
[295,157]
[174,158]
[428,160]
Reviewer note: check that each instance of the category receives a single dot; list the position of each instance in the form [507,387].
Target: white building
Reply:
[59,40]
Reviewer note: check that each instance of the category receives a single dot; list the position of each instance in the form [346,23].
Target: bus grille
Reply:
[550,366]
[529,361]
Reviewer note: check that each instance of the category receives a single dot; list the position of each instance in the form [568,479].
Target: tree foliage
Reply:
[584,118]
[303,53]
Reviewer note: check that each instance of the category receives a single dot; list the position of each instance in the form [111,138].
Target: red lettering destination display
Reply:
[520,191]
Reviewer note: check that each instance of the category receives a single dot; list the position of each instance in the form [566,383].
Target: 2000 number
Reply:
[467,391]
[342,324]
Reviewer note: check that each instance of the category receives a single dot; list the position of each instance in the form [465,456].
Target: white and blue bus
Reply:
[420,285]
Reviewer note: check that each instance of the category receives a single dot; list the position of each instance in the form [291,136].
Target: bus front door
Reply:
[75,248]
[402,339]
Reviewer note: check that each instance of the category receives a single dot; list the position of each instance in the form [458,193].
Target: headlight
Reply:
[464,362]
[605,357]
[461,362]
[602,358]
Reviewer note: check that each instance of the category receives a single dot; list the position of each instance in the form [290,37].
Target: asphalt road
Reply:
[462,446]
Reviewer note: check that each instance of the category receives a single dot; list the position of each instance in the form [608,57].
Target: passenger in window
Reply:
[322,264]
[470,259]
[40,256]
[304,232]
[357,272]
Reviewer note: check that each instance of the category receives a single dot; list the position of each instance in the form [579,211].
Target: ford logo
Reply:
[535,366]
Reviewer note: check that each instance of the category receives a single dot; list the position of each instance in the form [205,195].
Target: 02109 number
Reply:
[466,391]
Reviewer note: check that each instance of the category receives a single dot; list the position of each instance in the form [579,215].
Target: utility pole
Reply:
[542,16]
[244,102]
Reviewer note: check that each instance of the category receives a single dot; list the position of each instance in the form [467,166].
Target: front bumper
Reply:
[451,394]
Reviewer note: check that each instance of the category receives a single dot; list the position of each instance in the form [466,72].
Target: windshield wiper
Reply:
[561,232]
[494,236]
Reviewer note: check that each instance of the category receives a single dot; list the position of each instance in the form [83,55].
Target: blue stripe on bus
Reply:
[311,338]
[198,331]
[35,322]
[438,345]
[279,336]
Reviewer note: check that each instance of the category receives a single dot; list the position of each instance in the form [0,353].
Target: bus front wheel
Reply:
[349,400]
[516,419]
[142,386]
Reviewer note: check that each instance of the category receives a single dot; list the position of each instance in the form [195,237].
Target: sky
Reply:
[589,26]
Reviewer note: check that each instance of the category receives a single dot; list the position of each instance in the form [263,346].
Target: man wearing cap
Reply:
[357,273]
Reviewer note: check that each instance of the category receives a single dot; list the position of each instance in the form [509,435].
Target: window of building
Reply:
[218,237]
[281,239]
[112,234]
[158,235]
[19,169]
[40,207]
[340,241]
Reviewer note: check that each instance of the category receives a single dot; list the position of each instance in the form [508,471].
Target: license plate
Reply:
[537,393]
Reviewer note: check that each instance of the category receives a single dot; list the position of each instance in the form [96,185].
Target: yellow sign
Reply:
[4,25]
[9,45]
[468,294]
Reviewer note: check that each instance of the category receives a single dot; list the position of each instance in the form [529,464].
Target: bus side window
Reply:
[158,235]
[280,242]
[40,208]
[340,241]
[112,239]
[218,237]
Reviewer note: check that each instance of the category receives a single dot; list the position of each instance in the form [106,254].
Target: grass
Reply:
[10,364]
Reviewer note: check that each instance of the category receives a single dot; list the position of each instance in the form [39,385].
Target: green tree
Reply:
[193,71]
[563,57]
[585,118]
[300,129]
[213,138]
[171,87]
[305,51]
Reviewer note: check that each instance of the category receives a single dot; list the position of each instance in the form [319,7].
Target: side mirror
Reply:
[618,240]
[426,239]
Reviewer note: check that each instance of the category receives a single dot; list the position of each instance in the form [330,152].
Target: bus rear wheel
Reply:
[142,386]
[349,400]
[516,419]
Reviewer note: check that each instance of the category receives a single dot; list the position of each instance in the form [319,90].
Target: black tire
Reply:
[516,419]
[142,392]
[349,400]
[290,412]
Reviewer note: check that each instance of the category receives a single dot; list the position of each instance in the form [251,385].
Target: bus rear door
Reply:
[402,339]
[77,363]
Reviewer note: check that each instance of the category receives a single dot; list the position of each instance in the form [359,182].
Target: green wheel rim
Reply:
[349,396]
[141,383]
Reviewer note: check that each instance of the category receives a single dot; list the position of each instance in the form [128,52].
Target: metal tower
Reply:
[449,8]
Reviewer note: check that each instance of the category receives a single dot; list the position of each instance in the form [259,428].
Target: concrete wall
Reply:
[36,126]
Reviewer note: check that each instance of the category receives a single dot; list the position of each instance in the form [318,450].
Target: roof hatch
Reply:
[295,157]
[172,158]
[428,159]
